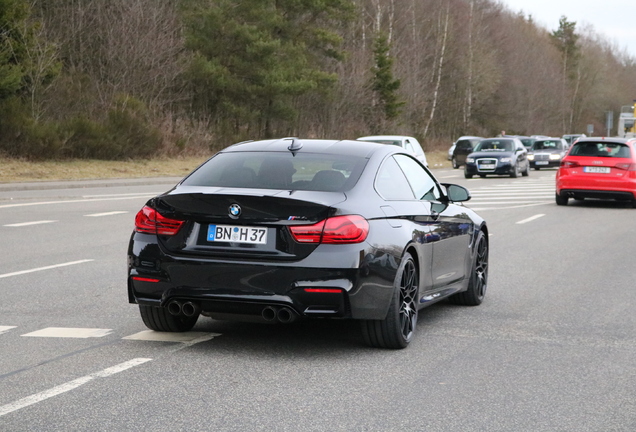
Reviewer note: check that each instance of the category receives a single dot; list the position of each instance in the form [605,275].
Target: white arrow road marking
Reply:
[71,385]
[44,268]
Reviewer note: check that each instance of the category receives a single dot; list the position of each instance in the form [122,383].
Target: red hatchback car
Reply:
[602,168]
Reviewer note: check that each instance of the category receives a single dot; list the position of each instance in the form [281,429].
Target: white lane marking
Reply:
[508,196]
[74,201]
[119,195]
[187,337]
[450,176]
[106,214]
[530,219]
[68,386]
[511,207]
[21,224]
[69,332]
[4,329]
[44,268]
[537,199]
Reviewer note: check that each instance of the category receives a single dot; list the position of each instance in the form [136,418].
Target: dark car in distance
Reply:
[463,147]
[547,153]
[288,229]
[499,156]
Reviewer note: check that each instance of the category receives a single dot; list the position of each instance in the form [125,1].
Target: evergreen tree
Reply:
[253,56]
[382,83]
[13,14]
[565,39]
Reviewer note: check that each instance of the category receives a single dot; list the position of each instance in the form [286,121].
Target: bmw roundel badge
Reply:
[234,211]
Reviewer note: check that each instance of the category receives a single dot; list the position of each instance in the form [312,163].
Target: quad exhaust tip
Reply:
[284,314]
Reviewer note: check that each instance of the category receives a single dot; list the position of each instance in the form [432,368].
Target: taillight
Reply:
[570,164]
[323,290]
[150,221]
[335,230]
[626,166]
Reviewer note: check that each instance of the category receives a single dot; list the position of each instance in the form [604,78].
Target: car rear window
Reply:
[278,170]
[601,149]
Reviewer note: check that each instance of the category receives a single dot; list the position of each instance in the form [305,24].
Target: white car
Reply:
[408,143]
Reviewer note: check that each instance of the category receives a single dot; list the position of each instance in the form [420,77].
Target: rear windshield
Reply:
[495,145]
[269,170]
[601,149]
[548,145]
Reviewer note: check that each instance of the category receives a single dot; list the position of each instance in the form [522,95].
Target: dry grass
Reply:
[16,170]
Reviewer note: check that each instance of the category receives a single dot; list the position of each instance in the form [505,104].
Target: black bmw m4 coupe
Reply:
[288,229]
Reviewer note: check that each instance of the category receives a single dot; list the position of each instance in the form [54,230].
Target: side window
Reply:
[423,185]
[391,184]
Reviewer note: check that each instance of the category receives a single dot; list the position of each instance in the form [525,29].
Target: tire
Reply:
[478,282]
[159,319]
[398,328]
[515,172]
[560,199]
[468,176]
[537,168]
[455,164]
[482,175]
[526,172]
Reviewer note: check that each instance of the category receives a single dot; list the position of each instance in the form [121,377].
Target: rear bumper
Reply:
[361,290]
[577,186]
[598,194]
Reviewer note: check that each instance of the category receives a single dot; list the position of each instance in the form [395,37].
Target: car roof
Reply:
[468,137]
[343,147]
[385,137]
[617,140]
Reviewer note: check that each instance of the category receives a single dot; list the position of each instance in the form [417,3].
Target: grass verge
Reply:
[17,170]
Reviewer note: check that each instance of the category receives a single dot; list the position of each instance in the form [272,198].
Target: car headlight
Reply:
[530,156]
[470,160]
[505,160]
[555,156]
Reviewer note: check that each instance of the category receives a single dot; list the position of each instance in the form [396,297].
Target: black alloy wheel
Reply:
[397,329]
[478,283]
[159,319]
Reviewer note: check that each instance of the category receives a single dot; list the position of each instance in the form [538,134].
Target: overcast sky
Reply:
[614,19]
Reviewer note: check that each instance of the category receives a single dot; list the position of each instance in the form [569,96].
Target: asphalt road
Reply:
[552,348]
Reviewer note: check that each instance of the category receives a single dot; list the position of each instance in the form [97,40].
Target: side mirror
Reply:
[456,193]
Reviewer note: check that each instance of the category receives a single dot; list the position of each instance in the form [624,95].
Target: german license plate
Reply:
[237,234]
[599,170]
[487,166]
[542,162]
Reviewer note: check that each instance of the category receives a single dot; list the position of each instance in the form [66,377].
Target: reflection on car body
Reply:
[309,229]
